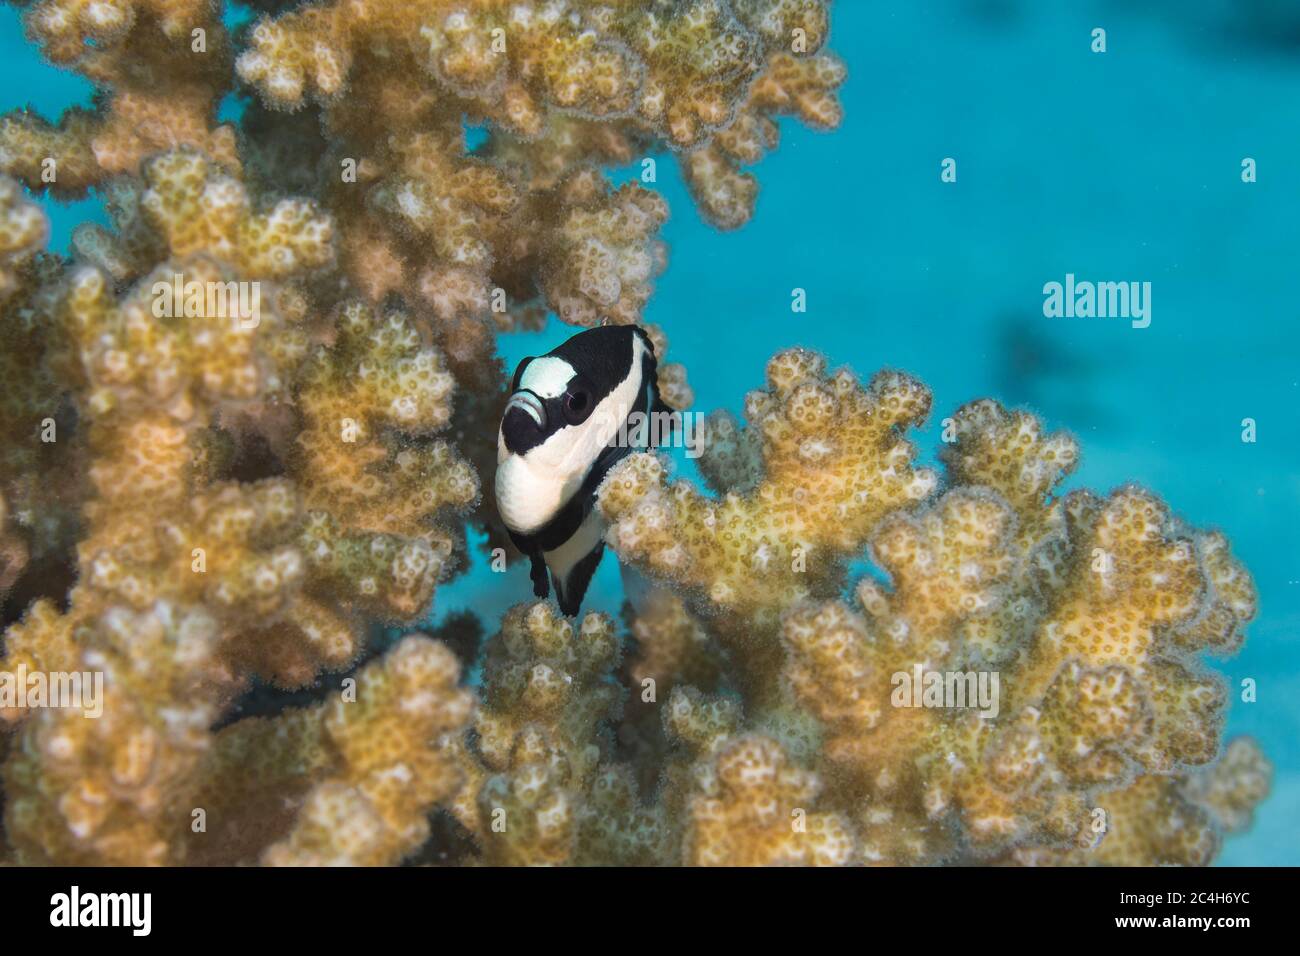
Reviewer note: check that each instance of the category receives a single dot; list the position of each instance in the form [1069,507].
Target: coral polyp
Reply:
[248,430]
[1090,611]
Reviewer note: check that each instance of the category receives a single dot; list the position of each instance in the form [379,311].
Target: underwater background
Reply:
[1122,166]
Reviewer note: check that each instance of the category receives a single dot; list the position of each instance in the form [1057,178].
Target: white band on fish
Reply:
[530,403]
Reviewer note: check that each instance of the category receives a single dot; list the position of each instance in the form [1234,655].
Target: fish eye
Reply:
[577,406]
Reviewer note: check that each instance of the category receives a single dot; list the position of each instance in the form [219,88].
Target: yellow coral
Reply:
[238,578]
[162,63]
[1086,611]
[391,762]
[23,231]
[206,507]
[834,466]
[751,811]
[117,789]
[548,793]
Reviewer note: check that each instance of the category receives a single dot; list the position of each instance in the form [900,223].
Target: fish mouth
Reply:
[529,404]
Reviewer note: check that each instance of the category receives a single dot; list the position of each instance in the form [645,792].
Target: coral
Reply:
[749,812]
[1174,821]
[672,646]
[1090,612]
[835,465]
[38,487]
[547,790]
[365,768]
[274,574]
[246,424]
[371,497]
[13,551]
[23,232]
[160,67]
[115,789]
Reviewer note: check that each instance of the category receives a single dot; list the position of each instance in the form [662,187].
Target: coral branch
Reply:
[245,425]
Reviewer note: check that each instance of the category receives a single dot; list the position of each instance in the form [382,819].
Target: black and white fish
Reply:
[564,427]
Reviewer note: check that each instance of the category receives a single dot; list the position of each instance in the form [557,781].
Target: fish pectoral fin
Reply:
[573,588]
[541,581]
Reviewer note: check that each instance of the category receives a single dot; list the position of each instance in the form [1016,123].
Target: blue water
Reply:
[1117,166]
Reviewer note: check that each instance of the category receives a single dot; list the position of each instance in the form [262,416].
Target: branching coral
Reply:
[1089,613]
[546,789]
[237,498]
[160,68]
[350,781]
[245,424]
[835,463]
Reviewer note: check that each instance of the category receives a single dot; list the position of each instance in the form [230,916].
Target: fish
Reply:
[565,425]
